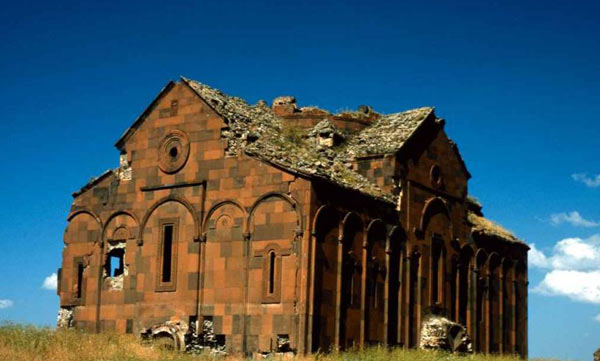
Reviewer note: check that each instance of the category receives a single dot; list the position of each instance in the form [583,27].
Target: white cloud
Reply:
[536,257]
[573,218]
[577,285]
[573,269]
[6,304]
[592,182]
[569,254]
[597,318]
[50,282]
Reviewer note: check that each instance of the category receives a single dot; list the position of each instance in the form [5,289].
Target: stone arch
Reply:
[84,211]
[352,243]
[350,223]
[481,258]
[82,234]
[396,238]
[167,336]
[376,228]
[171,198]
[119,228]
[170,225]
[217,206]
[436,228]
[273,218]
[433,207]
[325,228]
[223,260]
[375,278]
[113,216]
[287,198]
[321,213]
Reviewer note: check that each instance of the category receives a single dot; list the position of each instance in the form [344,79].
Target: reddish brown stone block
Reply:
[234,213]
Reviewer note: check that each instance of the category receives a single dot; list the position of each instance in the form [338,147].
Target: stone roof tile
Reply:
[486,227]
[257,131]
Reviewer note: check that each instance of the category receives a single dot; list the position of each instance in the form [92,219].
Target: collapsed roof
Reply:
[258,132]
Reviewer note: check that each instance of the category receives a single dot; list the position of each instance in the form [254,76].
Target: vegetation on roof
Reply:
[257,131]
[388,133]
[490,228]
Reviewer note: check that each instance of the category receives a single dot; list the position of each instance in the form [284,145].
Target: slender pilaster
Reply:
[500,315]
[469,300]
[312,313]
[513,318]
[409,299]
[475,307]
[419,292]
[363,295]
[338,294]
[400,295]
[487,319]
[386,296]
[459,289]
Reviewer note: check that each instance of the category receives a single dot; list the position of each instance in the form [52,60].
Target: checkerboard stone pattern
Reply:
[268,254]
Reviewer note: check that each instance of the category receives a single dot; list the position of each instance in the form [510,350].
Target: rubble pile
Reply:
[439,333]
[257,131]
[174,330]
[388,133]
[206,340]
[65,317]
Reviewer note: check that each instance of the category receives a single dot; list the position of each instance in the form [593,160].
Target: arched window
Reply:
[437,271]
[271,272]
[167,255]
[272,275]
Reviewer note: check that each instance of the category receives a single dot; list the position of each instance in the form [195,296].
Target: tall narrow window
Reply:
[271,272]
[79,280]
[167,252]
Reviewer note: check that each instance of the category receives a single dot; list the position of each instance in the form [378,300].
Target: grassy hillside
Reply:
[28,343]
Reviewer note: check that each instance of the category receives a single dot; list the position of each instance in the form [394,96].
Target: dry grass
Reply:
[491,228]
[29,343]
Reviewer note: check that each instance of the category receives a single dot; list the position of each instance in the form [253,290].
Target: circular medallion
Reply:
[173,151]
[435,176]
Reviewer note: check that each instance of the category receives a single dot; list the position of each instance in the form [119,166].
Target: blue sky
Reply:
[518,82]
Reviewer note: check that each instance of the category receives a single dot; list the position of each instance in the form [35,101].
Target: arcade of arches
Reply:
[372,285]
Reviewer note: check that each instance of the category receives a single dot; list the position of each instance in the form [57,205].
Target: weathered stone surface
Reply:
[274,232]
[175,331]
[439,333]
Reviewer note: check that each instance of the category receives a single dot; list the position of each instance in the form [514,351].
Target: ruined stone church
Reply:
[287,227]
